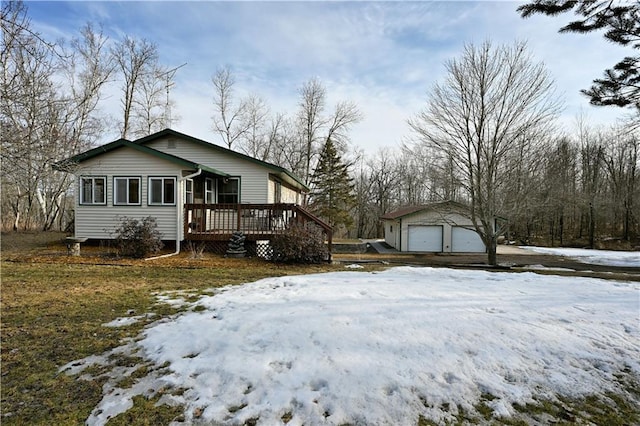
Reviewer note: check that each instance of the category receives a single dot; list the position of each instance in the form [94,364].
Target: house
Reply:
[194,189]
[442,227]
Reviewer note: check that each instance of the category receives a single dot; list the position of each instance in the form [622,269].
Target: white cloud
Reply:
[382,55]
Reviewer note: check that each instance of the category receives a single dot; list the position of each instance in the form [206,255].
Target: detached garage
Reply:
[436,228]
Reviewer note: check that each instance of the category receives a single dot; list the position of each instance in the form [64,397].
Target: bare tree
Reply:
[558,189]
[621,165]
[345,114]
[287,146]
[229,120]
[89,69]
[48,112]
[256,141]
[311,120]
[135,59]
[385,175]
[493,101]
[149,109]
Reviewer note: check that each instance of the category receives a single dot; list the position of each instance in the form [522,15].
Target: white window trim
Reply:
[150,190]
[115,191]
[188,191]
[209,191]
[92,202]
[238,194]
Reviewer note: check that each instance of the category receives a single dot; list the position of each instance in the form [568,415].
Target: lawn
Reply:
[53,308]
[54,314]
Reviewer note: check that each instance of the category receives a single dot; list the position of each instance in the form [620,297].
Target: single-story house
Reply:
[441,227]
[194,189]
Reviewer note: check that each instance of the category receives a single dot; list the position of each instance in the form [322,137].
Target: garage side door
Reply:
[464,240]
[424,238]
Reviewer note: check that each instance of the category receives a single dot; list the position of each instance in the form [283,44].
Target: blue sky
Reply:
[382,55]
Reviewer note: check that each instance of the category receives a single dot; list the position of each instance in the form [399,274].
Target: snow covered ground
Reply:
[383,347]
[595,257]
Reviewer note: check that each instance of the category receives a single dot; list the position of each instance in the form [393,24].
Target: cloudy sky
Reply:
[382,55]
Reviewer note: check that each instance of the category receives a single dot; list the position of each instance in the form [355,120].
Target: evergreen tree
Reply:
[620,21]
[332,196]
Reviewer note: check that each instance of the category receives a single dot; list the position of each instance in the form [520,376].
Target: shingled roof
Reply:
[409,210]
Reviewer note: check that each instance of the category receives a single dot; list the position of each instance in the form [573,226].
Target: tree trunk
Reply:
[492,248]
[592,226]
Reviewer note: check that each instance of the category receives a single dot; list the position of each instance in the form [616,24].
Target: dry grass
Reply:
[53,308]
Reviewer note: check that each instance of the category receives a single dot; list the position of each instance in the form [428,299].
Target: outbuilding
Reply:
[441,227]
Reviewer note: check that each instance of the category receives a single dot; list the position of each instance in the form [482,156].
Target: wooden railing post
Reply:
[239,207]
[185,221]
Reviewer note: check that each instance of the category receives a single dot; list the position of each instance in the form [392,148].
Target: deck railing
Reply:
[256,221]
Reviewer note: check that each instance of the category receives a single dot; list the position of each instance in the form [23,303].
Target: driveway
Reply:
[509,258]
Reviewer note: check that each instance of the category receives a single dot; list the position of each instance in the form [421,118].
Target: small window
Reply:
[126,191]
[278,192]
[390,228]
[162,191]
[208,191]
[228,191]
[93,190]
[189,191]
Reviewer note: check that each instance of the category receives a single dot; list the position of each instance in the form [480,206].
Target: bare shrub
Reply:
[300,244]
[138,238]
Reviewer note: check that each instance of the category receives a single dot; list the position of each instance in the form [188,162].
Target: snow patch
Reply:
[125,321]
[629,259]
[386,347]
[546,268]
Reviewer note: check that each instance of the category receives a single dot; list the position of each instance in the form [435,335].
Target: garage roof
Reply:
[409,210]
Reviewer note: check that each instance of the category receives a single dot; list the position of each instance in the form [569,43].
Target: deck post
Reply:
[239,206]
[203,218]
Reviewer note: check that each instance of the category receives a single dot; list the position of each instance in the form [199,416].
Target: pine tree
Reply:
[332,196]
[620,21]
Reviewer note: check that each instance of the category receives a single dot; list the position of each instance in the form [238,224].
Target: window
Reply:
[228,191]
[278,192]
[189,191]
[93,190]
[208,191]
[126,191]
[162,191]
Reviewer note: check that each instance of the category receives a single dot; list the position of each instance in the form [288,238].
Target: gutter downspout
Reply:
[179,219]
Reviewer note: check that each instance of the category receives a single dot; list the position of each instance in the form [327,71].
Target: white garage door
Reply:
[425,238]
[464,240]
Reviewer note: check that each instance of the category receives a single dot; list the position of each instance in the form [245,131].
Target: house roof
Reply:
[277,170]
[67,164]
[409,210]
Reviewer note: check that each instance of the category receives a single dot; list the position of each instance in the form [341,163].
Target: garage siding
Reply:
[447,221]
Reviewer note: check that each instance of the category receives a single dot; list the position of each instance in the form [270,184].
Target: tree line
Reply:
[486,138]
[52,94]
[50,109]
[566,190]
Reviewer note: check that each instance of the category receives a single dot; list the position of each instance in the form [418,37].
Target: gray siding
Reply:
[100,221]
[254,182]
[392,233]
[287,194]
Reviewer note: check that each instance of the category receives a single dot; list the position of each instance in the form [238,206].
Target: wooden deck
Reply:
[216,222]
